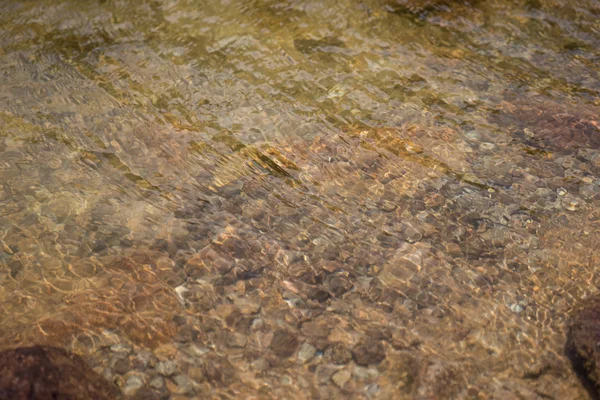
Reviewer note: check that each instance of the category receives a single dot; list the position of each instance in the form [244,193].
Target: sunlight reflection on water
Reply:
[378,199]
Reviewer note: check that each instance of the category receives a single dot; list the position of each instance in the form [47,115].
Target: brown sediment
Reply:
[550,126]
[45,373]
[582,342]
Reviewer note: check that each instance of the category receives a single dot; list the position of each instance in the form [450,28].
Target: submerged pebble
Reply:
[383,199]
[166,368]
[342,377]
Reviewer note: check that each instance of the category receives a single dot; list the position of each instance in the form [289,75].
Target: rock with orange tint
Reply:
[131,297]
[431,147]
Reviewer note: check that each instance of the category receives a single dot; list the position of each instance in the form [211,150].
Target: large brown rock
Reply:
[369,352]
[583,342]
[284,343]
[40,373]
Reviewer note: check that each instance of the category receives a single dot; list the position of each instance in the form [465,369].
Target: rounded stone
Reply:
[340,354]
[284,343]
[166,368]
[369,352]
[157,383]
[122,366]
[342,377]
[133,384]
[306,352]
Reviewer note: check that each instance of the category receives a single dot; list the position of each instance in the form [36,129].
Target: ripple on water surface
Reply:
[305,199]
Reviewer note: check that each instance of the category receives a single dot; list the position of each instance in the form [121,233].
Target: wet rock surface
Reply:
[48,373]
[582,343]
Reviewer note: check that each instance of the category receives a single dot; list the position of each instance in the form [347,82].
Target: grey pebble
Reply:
[516,308]
[144,359]
[166,368]
[184,385]
[121,348]
[306,352]
[157,382]
[133,384]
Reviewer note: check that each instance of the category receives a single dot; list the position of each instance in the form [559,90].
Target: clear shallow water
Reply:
[301,199]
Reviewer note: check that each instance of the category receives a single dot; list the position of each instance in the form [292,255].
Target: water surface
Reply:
[301,199]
